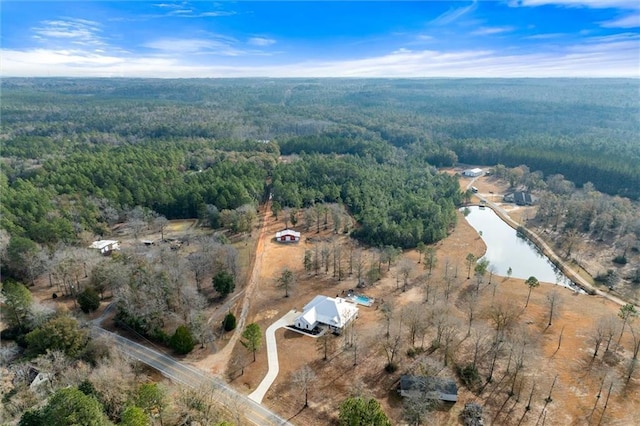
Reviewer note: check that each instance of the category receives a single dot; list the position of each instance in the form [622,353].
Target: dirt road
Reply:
[217,363]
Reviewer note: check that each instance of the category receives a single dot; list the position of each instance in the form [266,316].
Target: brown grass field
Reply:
[577,378]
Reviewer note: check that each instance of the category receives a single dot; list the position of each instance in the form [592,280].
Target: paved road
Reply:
[193,377]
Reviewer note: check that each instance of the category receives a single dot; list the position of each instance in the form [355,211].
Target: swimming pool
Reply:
[362,300]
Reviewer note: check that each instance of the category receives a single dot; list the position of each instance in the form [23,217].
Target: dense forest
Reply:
[79,154]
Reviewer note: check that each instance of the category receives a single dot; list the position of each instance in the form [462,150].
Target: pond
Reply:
[505,249]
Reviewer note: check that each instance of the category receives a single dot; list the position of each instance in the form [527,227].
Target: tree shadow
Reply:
[296,414]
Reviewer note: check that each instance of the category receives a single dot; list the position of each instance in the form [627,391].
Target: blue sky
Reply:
[509,38]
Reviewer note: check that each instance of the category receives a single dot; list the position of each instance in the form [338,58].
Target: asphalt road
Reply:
[193,377]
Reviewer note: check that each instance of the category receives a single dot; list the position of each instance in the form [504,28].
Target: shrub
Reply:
[391,367]
[620,260]
[87,388]
[89,300]
[182,340]
[223,283]
[229,322]
[469,375]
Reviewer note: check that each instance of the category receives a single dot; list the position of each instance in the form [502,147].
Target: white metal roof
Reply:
[102,244]
[287,232]
[327,310]
[476,170]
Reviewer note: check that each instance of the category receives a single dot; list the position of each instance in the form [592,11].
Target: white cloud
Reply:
[261,41]
[188,13]
[602,58]
[212,44]
[630,21]
[216,46]
[492,30]
[454,14]
[607,56]
[76,31]
[168,5]
[546,36]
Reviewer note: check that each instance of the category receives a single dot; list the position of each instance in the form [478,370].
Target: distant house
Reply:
[428,386]
[287,236]
[105,246]
[473,172]
[521,198]
[326,311]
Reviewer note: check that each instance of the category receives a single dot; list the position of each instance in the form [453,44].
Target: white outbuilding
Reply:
[473,172]
[105,246]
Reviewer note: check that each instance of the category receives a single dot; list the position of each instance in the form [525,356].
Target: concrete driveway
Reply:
[272,355]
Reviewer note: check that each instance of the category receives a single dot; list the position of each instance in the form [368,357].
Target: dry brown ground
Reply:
[574,393]
[577,381]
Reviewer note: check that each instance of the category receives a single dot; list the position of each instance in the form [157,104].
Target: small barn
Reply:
[428,386]
[105,246]
[473,172]
[287,236]
[326,311]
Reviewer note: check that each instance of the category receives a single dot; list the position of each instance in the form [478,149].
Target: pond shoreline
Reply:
[542,246]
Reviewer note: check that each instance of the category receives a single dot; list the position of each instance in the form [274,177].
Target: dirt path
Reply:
[217,363]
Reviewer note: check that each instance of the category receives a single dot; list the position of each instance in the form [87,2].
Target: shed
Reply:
[428,386]
[105,246]
[287,236]
[473,172]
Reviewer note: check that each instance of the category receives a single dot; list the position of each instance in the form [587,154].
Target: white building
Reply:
[105,246]
[322,310]
[287,236]
[473,172]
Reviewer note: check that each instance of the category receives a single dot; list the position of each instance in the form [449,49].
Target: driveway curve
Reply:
[272,356]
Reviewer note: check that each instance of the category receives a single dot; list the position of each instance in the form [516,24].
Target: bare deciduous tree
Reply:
[386,308]
[326,343]
[304,378]
[391,347]
[199,405]
[554,303]
[201,264]
[415,321]
[405,266]
[503,315]
[160,223]
[469,299]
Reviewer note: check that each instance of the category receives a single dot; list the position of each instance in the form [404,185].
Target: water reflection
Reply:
[505,249]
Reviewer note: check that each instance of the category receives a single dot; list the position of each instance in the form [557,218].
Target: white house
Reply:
[473,172]
[326,311]
[105,246]
[287,236]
